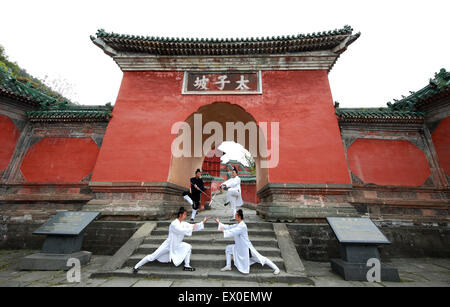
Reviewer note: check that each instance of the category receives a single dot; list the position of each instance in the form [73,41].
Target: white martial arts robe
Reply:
[234,193]
[173,248]
[241,256]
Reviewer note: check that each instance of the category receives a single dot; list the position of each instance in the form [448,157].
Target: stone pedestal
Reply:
[358,241]
[65,232]
[353,263]
[52,262]
[358,271]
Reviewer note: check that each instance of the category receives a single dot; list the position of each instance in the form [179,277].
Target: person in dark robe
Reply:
[193,196]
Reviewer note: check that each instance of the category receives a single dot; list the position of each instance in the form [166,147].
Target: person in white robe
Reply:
[243,252]
[233,196]
[173,248]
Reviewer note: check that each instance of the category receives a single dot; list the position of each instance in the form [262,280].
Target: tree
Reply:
[54,88]
[251,163]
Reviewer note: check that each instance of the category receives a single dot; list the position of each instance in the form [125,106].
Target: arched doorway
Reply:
[221,113]
[218,165]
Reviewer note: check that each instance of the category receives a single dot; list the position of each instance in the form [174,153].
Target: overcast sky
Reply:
[403,43]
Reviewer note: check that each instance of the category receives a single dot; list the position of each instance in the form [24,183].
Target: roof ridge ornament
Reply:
[436,85]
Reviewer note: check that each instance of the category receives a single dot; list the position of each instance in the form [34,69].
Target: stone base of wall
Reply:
[296,202]
[304,203]
[100,238]
[36,203]
[408,204]
[136,200]
[317,242]
[106,237]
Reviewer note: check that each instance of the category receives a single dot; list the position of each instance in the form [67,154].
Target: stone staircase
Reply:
[208,256]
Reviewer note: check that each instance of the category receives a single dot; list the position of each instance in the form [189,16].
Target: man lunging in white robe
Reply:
[233,187]
[243,252]
[173,248]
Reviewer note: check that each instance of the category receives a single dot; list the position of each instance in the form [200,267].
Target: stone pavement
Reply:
[420,272]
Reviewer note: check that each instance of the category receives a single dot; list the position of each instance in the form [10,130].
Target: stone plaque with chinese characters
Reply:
[67,223]
[217,83]
[356,230]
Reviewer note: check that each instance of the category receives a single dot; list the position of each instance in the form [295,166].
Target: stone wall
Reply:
[101,237]
[317,242]
[106,237]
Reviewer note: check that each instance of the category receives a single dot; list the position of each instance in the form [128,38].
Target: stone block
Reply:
[52,262]
[358,271]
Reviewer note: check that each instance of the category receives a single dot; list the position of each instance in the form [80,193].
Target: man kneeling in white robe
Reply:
[243,252]
[173,248]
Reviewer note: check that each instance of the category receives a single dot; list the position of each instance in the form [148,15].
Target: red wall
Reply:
[441,141]
[60,160]
[9,135]
[249,193]
[137,142]
[388,162]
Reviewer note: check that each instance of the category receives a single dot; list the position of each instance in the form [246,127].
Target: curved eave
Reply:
[379,120]
[305,52]
[432,98]
[437,88]
[15,96]
[67,116]
[379,116]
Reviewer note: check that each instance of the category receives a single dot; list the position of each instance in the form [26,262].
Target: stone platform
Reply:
[414,272]
[208,251]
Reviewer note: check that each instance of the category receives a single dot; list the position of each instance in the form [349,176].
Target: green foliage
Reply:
[251,163]
[24,77]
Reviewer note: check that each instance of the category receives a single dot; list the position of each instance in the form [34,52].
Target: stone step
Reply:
[208,232]
[214,239]
[172,272]
[213,225]
[208,249]
[202,261]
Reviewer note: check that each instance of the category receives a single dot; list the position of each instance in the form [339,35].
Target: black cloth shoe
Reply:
[135,270]
[226,204]
[188,269]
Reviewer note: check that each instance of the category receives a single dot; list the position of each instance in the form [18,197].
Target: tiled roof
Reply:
[408,109]
[226,46]
[378,115]
[436,88]
[244,175]
[78,113]
[208,177]
[49,108]
[24,92]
